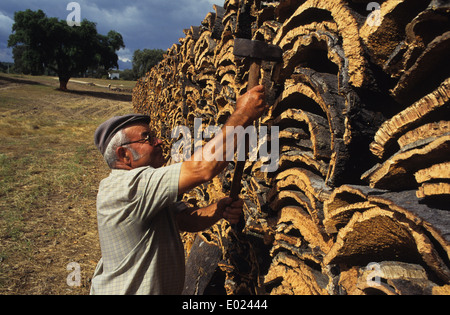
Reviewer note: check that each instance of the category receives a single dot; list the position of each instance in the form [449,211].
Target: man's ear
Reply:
[123,155]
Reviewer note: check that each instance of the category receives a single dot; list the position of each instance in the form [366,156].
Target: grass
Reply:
[49,174]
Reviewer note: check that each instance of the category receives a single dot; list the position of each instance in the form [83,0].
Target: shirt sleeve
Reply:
[157,190]
[180,207]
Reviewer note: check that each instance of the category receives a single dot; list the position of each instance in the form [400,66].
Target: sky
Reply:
[151,24]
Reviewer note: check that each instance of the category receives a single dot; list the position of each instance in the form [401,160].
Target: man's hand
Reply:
[196,220]
[231,210]
[252,104]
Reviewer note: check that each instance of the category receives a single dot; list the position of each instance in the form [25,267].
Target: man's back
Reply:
[138,233]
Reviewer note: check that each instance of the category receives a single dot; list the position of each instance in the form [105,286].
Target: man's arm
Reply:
[199,170]
[197,220]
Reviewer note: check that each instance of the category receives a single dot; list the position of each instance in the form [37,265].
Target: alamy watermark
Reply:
[74,17]
[374,18]
[74,278]
[258,142]
[374,277]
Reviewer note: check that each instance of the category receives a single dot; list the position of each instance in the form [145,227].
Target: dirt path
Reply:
[49,175]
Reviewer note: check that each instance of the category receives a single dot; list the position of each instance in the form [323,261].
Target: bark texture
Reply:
[360,201]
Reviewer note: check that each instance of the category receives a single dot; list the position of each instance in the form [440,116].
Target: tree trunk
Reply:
[63,80]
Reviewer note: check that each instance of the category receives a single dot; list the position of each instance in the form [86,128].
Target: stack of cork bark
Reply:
[360,201]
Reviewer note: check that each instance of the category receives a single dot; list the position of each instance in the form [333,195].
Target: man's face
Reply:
[150,152]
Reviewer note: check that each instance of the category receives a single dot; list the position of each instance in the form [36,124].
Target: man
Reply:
[139,219]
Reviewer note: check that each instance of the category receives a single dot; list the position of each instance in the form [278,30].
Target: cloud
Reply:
[149,23]
[143,24]
[125,55]
[5,30]
[128,16]
[5,24]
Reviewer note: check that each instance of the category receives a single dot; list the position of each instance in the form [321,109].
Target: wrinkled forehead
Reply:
[138,129]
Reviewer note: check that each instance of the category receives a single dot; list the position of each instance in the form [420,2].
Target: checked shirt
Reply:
[142,252]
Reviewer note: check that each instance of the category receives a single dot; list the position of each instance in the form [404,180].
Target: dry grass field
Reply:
[49,176]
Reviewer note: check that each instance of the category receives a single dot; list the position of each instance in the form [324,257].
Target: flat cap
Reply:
[106,131]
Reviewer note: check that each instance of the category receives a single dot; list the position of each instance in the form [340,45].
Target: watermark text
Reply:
[374,18]
[74,17]
[74,278]
[261,145]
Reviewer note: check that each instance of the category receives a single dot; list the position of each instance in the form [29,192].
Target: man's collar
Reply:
[119,171]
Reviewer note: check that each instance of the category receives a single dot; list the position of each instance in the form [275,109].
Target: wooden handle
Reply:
[237,178]
[253,80]
[253,74]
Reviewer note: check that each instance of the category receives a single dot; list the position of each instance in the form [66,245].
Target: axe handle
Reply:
[253,80]
[253,74]
[236,185]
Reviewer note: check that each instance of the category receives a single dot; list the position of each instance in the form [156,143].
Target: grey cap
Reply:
[106,131]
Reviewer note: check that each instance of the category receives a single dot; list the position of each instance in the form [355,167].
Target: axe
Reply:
[257,51]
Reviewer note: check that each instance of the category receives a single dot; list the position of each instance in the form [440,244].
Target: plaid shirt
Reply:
[142,252]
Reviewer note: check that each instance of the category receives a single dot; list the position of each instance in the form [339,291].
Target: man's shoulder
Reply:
[130,173]
[122,175]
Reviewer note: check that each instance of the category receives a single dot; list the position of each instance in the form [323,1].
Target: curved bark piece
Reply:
[411,116]
[317,94]
[441,190]
[296,218]
[204,52]
[435,184]
[317,51]
[426,131]
[385,28]
[289,275]
[424,28]
[345,19]
[199,271]
[394,278]
[428,228]
[388,240]
[312,184]
[317,128]
[437,171]
[297,158]
[428,71]
[397,173]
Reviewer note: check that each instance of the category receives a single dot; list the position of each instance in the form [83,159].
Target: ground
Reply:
[49,175]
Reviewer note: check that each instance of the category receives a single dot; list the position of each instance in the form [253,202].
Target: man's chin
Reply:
[160,162]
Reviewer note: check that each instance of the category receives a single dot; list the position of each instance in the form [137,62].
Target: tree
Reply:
[41,43]
[127,75]
[144,60]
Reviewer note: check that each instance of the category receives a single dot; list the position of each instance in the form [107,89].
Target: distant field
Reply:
[49,175]
[115,83]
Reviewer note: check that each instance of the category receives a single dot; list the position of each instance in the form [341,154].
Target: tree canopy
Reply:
[41,43]
[144,60]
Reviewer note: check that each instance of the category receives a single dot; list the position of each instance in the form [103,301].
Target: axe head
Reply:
[257,49]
